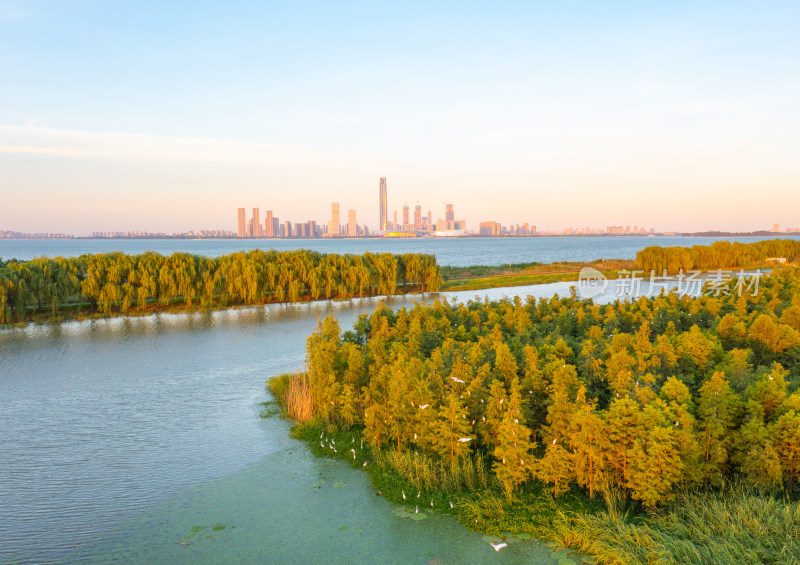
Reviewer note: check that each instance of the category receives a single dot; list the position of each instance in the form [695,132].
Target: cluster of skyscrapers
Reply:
[272,227]
[249,225]
[421,225]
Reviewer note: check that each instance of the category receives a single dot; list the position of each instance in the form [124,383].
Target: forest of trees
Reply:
[641,398]
[118,282]
[718,255]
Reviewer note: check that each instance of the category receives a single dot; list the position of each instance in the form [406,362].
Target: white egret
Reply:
[498,546]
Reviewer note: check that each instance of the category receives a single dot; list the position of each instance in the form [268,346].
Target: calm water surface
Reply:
[448,251]
[120,436]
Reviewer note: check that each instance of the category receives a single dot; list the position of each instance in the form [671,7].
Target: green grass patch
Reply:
[269,409]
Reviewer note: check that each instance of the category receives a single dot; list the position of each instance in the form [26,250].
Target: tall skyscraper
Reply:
[418,217]
[256,226]
[333,226]
[450,217]
[352,227]
[405,217]
[269,226]
[395,220]
[384,220]
[242,231]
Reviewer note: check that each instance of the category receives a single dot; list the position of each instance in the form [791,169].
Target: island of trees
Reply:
[660,430]
[119,283]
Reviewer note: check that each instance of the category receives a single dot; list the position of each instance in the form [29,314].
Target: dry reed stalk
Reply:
[298,398]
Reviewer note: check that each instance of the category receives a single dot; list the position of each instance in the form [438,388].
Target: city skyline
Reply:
[683,117]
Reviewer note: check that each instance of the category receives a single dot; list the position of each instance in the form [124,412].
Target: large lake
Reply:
[457,252]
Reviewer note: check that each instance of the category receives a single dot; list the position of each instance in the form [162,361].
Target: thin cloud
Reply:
[40,141]
[10,12]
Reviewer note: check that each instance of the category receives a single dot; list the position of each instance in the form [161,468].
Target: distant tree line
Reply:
[718,255]
[641,398]
[116,282]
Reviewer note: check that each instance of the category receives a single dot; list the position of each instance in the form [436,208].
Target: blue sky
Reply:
[168,116]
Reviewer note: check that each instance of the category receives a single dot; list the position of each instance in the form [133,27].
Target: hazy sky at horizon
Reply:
[167,116]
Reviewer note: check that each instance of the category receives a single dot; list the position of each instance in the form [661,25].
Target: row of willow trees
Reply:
[639,398]
[718,255]
[119,282]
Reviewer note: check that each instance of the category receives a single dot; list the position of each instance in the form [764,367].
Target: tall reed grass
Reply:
[427,474]
[293,392]
[735,526]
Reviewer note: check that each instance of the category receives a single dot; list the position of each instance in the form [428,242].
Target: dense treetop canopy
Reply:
[120,282]
[644,396]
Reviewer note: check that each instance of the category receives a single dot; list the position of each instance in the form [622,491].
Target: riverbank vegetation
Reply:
[655,259]
[718,255]
[480,277]
[661,430]
[112,283]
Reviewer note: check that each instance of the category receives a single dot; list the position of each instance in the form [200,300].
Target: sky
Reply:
[167,116]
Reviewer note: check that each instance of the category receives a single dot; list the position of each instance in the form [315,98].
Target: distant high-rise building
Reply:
[242,231]
[352,227]
[256,225]
[489,228]
[418,217]
[405,217]
[333,226]
[449,216]
[776,228]
[384,219]
[395,220]
[269,226]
